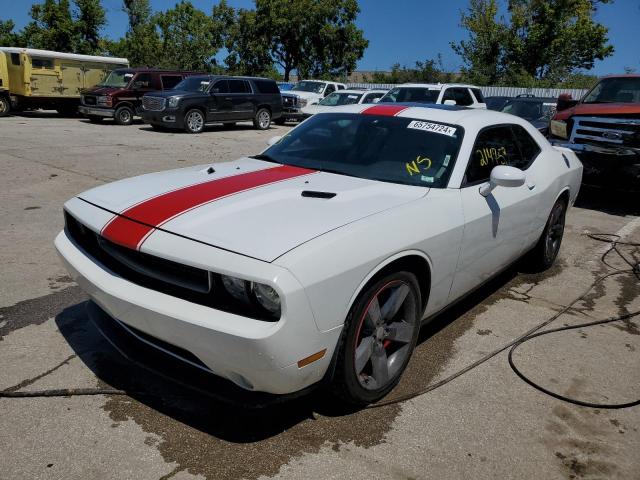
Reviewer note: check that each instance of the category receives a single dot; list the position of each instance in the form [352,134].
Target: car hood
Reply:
[605,109]
[173,93]
[276,209]
[315,108]
[103,90]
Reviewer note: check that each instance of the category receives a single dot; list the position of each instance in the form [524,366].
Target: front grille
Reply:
[89,100]
[172,278]
[289,100]
[606,131]
[153,104]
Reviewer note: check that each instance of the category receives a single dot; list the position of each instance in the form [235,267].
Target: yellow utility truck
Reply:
[33,79]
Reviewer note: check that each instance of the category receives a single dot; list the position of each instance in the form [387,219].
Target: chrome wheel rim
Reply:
[264,119]
[125,116]
[385,335]
[4,105]
[195,121]
[554,233]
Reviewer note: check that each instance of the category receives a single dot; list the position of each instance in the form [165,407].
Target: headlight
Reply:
[252,293]
[559,128]
[104,100]
[173,102]
[302,102]
[267,297]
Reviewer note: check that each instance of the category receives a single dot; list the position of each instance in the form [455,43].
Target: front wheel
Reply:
[262,120]
[379,336]
[194,121]
[124,116]
[546,250]
[5,106]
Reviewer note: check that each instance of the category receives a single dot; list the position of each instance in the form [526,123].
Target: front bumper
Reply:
[96,111]
[255,355]
[166,118]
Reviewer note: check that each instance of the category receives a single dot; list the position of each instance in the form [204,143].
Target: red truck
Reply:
[604,130]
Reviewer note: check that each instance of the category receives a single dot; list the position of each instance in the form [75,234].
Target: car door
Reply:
[220,103]
[498,227]
[242,107]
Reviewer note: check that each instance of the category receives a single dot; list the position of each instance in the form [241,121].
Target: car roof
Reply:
[436,86]
[360,90]
[451,114]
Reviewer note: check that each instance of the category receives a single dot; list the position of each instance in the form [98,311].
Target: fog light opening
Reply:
[311,358]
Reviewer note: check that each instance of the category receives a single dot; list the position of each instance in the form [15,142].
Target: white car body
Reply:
[294,100]
[359,97]
[317,254]
[444,93]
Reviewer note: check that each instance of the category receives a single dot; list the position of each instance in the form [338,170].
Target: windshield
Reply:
[615,90]
[117,79]
[340,98]
[411,94]
[193,84]
[389,149]
[530,110]
[306,86]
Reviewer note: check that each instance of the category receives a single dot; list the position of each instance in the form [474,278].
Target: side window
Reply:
[42,63]
[220,87]
[15,58]
[341,87]
[478,94]
[462,97]
[330,89]
[371,97]
[529,148]
[266,86]
[448,95]
[143,81]
[170,81]
[239,86]
[494,146]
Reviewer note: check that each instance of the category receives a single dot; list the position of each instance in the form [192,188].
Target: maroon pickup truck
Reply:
[604,130]
[119,96]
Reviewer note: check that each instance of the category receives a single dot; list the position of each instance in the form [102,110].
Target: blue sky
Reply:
[404,30]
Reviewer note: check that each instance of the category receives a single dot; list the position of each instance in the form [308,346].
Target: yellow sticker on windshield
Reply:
[420,163]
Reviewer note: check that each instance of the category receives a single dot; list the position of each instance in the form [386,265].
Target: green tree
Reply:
[429,71]
[9,38]
[483,53]
[90,19]
[141,43]
[52,26]
[189,38]
[316,37]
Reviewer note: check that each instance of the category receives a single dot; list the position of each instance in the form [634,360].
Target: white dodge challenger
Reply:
[320,258]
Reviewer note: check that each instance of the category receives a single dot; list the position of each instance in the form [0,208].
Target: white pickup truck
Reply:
[303,93]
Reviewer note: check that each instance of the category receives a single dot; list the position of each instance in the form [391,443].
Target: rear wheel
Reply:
[5,106]
[262,120]
[546,250]
[379,336]
[194,121]
[124,116]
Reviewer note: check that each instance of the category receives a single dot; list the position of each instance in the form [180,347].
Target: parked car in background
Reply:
[604,130]
[33,79]
[343,97]
[537,110]
[257,271]
[284,86]
[496,103]
[303,93]
[202,99]
[429,93]
[119,96]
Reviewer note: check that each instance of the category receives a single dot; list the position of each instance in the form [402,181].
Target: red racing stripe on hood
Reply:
[132,226]
[387,110]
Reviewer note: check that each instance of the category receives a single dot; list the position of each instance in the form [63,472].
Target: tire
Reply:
[95,119]
[370,356]
[123,116]
[545,252]
[262,120]
[279,121]
[5,106]
[194,121]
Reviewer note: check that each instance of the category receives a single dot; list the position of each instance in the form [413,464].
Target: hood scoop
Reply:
[316,194]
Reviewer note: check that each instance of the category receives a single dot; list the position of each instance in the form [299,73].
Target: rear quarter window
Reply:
[478,94]
[266,86]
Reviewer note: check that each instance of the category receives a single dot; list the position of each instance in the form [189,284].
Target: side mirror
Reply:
[450,102]
[503,176]
[274,140]
[565,100]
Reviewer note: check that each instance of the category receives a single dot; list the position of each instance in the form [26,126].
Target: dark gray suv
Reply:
[202,99]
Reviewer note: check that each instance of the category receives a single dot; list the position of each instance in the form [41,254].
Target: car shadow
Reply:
[609,200]
[218,411]
[207,129]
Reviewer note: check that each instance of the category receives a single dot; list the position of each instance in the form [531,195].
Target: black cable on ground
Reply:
[612,239]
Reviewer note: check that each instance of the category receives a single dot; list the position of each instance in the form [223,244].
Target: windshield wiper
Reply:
[265,157]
